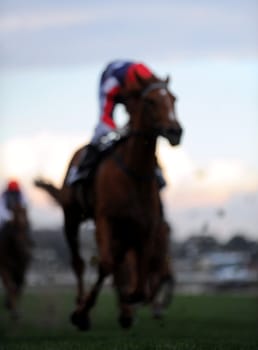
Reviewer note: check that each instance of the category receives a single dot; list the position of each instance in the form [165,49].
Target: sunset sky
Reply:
[50,61]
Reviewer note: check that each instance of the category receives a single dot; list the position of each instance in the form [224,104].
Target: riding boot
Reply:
[88,159]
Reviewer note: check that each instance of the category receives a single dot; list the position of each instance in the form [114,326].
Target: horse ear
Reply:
[167,80]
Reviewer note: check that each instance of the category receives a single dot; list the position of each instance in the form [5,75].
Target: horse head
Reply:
[156,105]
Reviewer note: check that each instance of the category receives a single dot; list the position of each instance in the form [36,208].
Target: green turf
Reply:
[191,323]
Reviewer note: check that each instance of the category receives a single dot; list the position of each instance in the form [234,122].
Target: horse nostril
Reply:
[174,136]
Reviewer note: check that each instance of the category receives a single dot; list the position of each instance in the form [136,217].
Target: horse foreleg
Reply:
[11,293]
[142,259]
[78,264]
[80,317]
[125,280]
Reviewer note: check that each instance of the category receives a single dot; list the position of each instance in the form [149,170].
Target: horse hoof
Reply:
[135,298]
[125,322]
[81,321]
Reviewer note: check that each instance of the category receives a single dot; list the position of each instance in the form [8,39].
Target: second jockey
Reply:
[11,194]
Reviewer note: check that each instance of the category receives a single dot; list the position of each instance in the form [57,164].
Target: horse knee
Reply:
[78,265]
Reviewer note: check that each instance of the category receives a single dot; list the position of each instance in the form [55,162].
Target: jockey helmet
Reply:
[136,69]
[13,185]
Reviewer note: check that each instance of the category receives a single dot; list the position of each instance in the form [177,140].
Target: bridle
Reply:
[147,135]
[153,86]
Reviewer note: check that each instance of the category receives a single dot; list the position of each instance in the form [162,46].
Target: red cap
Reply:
[13,185]
[139,69]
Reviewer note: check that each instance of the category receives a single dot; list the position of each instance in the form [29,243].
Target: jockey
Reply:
[12,193]
[116,76]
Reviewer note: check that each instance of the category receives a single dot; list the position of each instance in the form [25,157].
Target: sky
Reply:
[52,54]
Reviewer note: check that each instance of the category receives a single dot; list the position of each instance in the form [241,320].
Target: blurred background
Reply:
[52,55]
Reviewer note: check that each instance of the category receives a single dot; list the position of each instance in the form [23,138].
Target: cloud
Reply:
[238,214]
[86,33]
[202,14]
[44,20]
[213,184]
[47,154]
[190,189]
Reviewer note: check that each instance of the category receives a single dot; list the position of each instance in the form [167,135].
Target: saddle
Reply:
[93,155]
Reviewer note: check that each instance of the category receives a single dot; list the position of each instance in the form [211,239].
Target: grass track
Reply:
[192,323]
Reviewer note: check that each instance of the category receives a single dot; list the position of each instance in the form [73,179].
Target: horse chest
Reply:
[140,215]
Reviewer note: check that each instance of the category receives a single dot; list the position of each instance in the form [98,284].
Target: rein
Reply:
[154,86]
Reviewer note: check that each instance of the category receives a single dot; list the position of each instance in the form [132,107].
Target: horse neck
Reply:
[140,150]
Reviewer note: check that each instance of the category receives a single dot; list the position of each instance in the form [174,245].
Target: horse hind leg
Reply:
[161,279]
[163,297]
[72,237]
[80,317]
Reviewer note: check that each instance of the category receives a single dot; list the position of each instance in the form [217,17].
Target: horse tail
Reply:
[53,191]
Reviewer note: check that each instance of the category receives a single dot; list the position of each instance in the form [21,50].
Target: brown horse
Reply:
[161,277]
[127,206]
[15,256]
[124,202]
